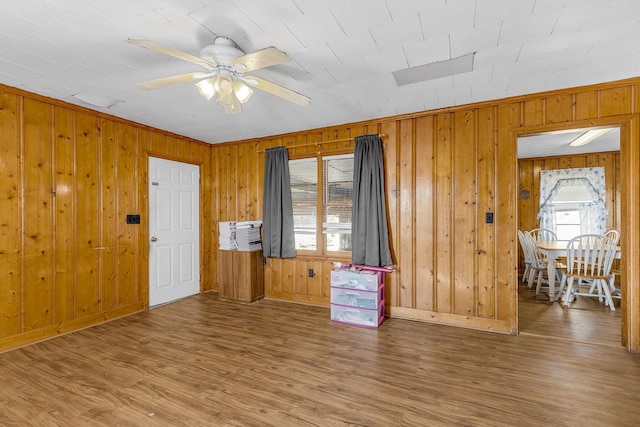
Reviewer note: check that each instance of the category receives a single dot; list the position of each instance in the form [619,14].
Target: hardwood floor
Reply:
[586,319]
[205,362]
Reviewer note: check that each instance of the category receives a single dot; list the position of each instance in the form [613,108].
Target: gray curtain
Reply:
[369,232]
[278,239]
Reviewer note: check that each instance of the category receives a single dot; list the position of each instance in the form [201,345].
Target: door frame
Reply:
[630,224]
[144,229]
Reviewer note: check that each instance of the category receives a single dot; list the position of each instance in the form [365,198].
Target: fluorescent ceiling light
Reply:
[435,70]
[588,136]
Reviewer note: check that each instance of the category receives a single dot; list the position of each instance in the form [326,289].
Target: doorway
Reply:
[174,230]
[586,320]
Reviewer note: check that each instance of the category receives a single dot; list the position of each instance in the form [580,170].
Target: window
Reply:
[567,202]
[567,222]
[573,200]
[322,213]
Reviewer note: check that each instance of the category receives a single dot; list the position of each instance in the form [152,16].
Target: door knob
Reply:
[154,239]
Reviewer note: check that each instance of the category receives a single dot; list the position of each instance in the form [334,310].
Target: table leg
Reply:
[551,275]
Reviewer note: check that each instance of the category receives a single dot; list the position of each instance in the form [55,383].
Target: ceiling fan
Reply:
[225,67]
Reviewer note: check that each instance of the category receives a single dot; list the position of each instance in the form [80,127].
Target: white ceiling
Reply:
[344,53]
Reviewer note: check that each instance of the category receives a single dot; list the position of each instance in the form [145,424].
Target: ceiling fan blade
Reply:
[276,90]
[172,52]
[261,58]
[167,81]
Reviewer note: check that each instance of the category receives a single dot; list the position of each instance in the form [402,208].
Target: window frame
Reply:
[321,238]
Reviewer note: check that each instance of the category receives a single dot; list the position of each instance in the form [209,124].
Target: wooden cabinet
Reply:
[240,276]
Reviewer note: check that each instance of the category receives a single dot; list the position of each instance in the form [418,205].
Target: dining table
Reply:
[553,250]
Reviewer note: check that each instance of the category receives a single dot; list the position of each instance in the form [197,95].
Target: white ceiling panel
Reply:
[457,15]
[473,40]
[43,49]
[316,28]
[400,32]
[401,9]
[349,15]
[351,49]
[266,14]
[6,41]
[434,49]
[528,27]
[15,27]
[39,12]
[494,12]
[343,55]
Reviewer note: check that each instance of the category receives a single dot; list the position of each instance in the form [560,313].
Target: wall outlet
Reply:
[311,274]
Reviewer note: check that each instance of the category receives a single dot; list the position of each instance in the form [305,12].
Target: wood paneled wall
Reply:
[68,177]
[444,170]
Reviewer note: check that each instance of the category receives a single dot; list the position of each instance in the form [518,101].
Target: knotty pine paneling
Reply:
[442,238]
[87,230]
[11,228]
[65,209]
[424,257]
[68,178]
[38,202]
[465,222]
[108,203]
[406,258]
[486,185]
[444,170]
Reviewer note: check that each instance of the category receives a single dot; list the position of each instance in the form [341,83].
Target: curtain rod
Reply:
[381,135]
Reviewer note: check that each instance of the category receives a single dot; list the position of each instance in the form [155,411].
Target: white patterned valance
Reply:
[593,213]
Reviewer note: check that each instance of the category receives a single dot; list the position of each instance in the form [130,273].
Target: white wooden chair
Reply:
[543,235]
[527,257]
[589,259]
[538,266]
[615,293]
[613,235]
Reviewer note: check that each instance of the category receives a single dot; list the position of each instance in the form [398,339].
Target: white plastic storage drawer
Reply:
[356,298]
[357,316]
[356,280]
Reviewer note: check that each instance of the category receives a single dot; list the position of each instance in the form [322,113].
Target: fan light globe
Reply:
[242,91]
[206,88]
[223,85]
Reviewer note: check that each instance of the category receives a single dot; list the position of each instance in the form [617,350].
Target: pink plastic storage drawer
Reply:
[356,280]
[357,316]
[356,298]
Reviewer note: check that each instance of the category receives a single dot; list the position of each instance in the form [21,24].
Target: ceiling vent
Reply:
[435,70]
[95,100]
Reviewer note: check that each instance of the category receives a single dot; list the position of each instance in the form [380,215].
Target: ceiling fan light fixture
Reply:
[242,92]
[230,103]
[223,85]
[588,136]
[207,88]
[226,65]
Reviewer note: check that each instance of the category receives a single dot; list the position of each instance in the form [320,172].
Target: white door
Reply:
[174,230]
